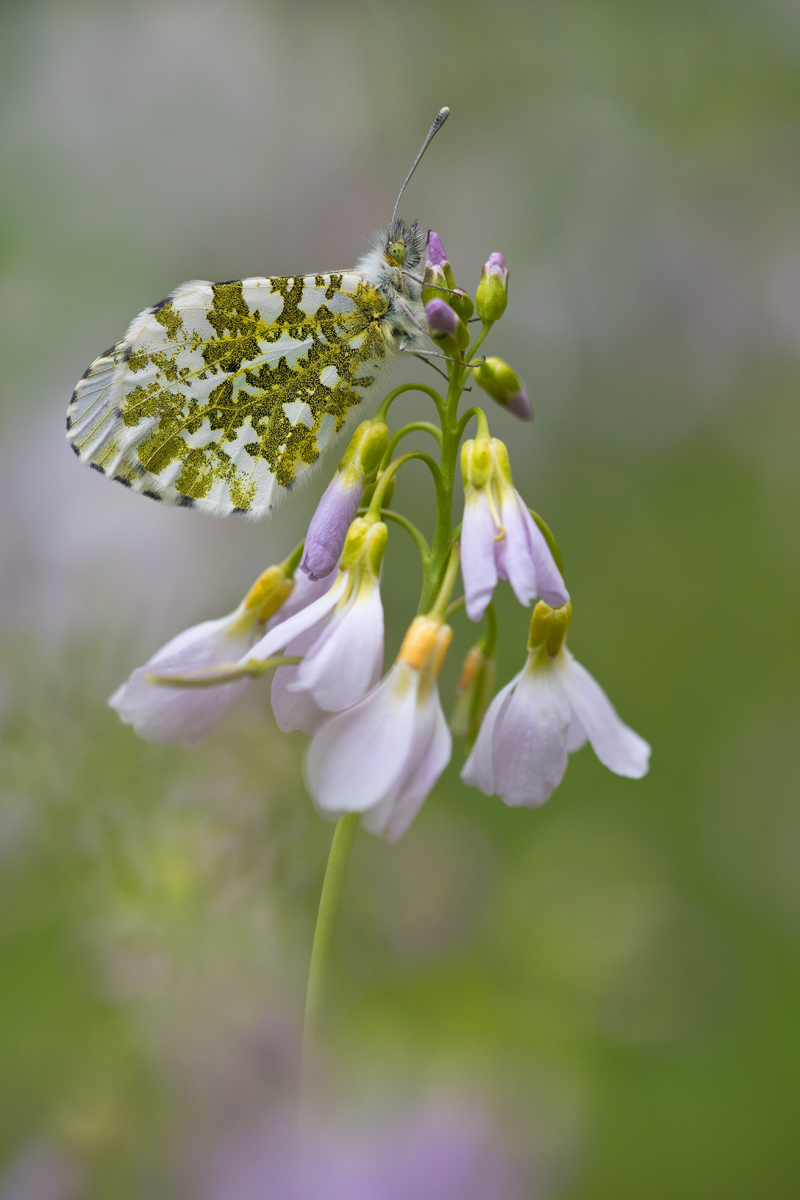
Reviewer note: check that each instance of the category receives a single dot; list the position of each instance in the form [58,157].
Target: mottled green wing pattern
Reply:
[224,394]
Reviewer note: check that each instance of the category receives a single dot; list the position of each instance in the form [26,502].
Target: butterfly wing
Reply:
[223,395]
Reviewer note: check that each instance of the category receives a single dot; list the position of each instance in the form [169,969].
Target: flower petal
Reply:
[549,583]
[357,756]
[529,753]
[329,525]
[164,714]
[275,639]
[614,742]
[432,746]
[304,592]
[478,570]
[478,770]
[514,559]
[294,709]
[342,664]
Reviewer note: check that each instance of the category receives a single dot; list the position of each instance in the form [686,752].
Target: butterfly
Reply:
[224,395]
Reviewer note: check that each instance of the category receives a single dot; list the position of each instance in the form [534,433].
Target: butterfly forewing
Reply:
[224,394]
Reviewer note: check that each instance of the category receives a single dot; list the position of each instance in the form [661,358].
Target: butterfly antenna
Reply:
[441,117]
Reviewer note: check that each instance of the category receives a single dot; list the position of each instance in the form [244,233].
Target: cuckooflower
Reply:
[499,537]
[339,635]
[340,501]
[548,710]
[491,296]
[160,713]
[505,387]
[382,757]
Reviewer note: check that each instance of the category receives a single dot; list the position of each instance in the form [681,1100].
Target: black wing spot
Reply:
[152,495]
[225,283]
[156,307]
[240,510]
[109,352]
[69,422]
[121,479]
[97,467]
[74,449]
[185,502]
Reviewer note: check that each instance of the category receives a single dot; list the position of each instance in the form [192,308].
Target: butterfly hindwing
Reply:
[224,394]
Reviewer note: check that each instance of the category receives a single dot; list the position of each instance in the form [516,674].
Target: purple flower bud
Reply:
[520,404]
[442,320]
[434,254]
[329,525]
[497,265]
[491,297]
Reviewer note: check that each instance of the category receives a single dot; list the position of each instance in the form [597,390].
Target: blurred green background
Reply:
[613,979]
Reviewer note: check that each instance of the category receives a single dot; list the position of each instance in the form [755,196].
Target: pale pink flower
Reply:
[383,756]
[499,537]
[545,713]
[339,635]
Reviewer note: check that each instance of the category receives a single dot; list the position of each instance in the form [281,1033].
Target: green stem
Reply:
[332,886]
[411,427]
[374,510]
[409,387]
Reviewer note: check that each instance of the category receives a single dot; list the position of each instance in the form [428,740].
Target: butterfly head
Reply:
[404,245]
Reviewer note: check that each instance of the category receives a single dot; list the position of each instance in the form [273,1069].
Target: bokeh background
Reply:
[596,1000]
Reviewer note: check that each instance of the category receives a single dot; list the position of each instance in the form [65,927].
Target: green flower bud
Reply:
[461,301]
[549,627]
[491,297]
[367,448]
[268,593]
[505,387]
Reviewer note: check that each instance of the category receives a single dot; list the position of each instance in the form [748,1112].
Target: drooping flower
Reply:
[545,713]
[339,635]
[499,537]
[491,296]
[340,501]
[160,713]
[505,387]
[383,756]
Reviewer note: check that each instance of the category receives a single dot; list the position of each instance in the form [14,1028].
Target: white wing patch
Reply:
[223,395]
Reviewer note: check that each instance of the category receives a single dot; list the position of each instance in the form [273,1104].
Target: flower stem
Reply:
[332,886]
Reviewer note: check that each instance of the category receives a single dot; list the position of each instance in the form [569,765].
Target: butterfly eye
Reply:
[397,251]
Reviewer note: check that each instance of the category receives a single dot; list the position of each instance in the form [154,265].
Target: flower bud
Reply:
[505,387]
[446,326]
[491,297]
[268,593]
[476,462]
[443,322]
[461,301]
[341,499]
[365,542]
[437,271]
[367,448]
[549,627]
[475,686]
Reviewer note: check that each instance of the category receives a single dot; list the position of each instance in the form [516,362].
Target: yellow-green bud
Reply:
[491,297]
[268,593]
[365,540]
[549,627]
[505,387]
[367,448]
[476,462]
